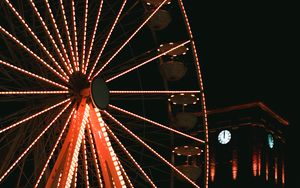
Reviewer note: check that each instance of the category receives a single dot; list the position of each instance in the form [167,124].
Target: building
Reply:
[247,147]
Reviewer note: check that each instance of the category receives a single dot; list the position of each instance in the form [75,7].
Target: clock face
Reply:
[270,141]
[224,137]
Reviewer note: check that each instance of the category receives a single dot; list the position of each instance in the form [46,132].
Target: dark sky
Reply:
[248,53]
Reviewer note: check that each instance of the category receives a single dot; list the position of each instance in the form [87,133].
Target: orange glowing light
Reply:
[276,170]
[267,169]
[254,163]
[283,173]
[234,165]
[212,169]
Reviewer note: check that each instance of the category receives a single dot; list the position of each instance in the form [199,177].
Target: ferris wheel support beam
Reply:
[9,35]
[204,110]
[63,171]
[155,123]
[149,148]
[107,156]
[86,62]
[130,156]
[63,60]
[69,41]
[107,38]
[131,36]
[34,142]
[58,35]
[148,61]
[35,37]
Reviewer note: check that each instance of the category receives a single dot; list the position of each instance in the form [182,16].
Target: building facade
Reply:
[247,147]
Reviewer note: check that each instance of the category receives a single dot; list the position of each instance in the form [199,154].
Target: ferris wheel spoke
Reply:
[35,37]
[149,148]
[95,158]
[69,41]
[86,9]
[32,74]
[9,35]
[33,116]
[75,36]
[153,92]
[130,156]
[127,179]
[85,62]
[147,61]
[155,123]
[32,92]
[107,38]
[34,142]
[50,36]
[61,43]
[85,162]
[131,36]
[54,148]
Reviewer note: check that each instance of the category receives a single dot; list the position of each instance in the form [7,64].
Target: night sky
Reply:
[247,52]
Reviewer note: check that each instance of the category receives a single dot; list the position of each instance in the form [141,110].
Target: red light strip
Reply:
[33,75]
[33,143]
[107,38]
[85,163]
[75,36]
[152,150]
[125,174]
[130,156]
[132,35]
[61,43]
[86,9]
[93,37]
[33,116]
[49,35]
[153,92]
[205,123]
[94,155]
[68,33]
[35,37]
[32,53]
[149,60]
[75,175]
[54,148]
[32,92]
[155,123]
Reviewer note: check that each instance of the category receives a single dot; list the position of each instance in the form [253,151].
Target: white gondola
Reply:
[156,3]
[160,20]
[173,70]
[185,120]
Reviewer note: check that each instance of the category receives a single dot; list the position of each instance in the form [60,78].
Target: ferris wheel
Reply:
[100,94]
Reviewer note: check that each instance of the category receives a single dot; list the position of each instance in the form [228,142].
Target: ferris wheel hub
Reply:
[79,85]
[99,93]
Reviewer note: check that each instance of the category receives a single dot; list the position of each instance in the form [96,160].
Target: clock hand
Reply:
[224,134]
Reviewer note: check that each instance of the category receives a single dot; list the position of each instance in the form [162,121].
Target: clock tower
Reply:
[247,147]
